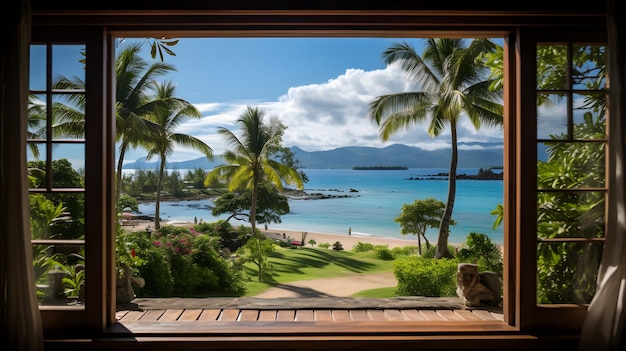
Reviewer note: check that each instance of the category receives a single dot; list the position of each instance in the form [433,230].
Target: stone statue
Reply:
[475,288]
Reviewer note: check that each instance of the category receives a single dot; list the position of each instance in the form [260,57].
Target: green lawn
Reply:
[304,263]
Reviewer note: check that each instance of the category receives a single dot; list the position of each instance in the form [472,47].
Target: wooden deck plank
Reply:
[228,315]
[395,315]
[170,315]
[285,315]
[341,315]
[304,316]
[190,315]
[449,315]
[323,315]
[467,315]
[359,315]
[413,315]
[132,316]
[209,315]
[432,315]
[249,315]
[120,314]
[267,315]
[377,315]
[152,315]
[484,315]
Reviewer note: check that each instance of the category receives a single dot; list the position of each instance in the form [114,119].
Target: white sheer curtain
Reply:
[21,321]
[604,324]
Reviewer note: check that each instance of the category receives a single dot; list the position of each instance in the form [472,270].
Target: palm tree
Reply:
[167,117]
[250,163]
[453,82]
[134,78]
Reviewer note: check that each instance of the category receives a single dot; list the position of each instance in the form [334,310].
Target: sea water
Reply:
[368,201]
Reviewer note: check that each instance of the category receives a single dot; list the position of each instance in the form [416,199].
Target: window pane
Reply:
[588,67]
[589,116]
[571,165]
[552,116]
[570,214]
[60,274]
[37,116]
[37,67]
[567,272]
[68,63]
[552,72]
[68,116]
[68,165]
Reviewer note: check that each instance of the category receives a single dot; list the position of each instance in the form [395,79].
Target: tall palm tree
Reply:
[167,117]
[454,84]
[134,79]
[250,163]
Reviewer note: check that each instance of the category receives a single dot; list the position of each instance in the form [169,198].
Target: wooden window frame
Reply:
[523,316]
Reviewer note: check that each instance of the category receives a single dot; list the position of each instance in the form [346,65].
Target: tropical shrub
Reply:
[480,250]
[419,276]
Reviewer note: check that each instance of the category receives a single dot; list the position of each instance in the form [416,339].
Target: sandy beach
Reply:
[348,241]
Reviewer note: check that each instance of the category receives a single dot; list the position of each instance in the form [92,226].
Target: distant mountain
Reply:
[360,156]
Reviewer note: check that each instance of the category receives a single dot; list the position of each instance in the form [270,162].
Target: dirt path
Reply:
[327,287]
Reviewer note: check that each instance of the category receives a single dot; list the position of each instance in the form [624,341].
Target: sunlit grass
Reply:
[304,263]
[377,293]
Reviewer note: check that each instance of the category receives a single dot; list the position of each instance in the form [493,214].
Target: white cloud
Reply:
[327,116]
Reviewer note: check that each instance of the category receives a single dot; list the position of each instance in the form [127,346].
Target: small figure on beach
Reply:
[349,231]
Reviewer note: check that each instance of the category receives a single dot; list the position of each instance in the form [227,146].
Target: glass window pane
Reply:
[36,152]
[68,64]
[37,67]
[571,165]
[552,116]
[588,67]
[570,214]
[37,116]
[589,116]
[57,216]
[567,272]
[60,274]
[552,72]
[68,116]
[68,164]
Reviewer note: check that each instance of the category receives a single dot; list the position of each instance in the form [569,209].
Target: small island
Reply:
[380,168]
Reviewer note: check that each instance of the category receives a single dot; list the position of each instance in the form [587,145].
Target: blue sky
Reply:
[319,88]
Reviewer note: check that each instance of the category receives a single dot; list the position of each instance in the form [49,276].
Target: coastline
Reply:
[347,241]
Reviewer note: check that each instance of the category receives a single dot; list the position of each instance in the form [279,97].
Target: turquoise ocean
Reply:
[375,200]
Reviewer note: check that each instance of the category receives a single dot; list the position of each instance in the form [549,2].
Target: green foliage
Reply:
[312,242]
[480,250]
[256,250]
[179,261]
[127,202]
[405,250]
[324,245]
[362,247]
[417,217]
[384,253]
[63,176]
[419,276]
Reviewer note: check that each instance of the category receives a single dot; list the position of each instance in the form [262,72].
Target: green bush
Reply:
[384,253]
[362,247]
[405,250]
[419,276]
[324,245]
[183,262]
[480,250]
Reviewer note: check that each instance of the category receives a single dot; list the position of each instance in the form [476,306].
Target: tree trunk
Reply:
[444,226]
[157,207]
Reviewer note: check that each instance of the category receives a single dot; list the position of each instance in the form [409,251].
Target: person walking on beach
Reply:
[349,231]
